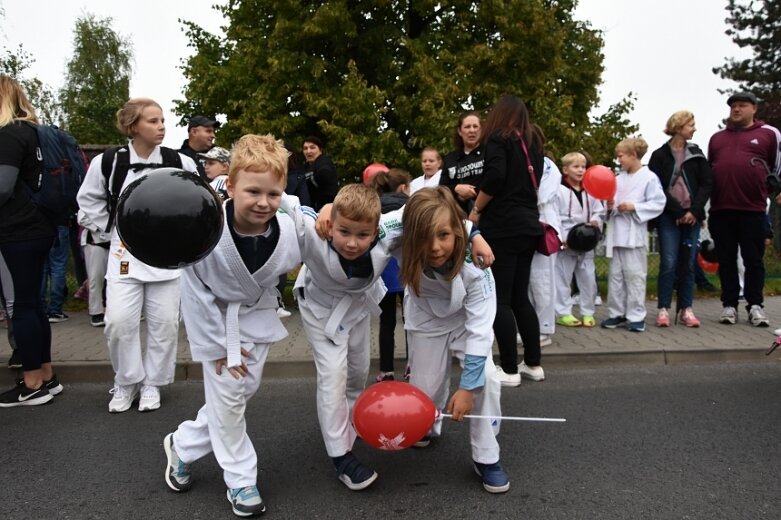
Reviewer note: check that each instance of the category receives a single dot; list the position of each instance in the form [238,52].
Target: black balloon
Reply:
[169,218]
[708,251]
[583,237]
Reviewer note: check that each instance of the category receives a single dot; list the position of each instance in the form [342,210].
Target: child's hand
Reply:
[626,207]
[236,372]
[460,404]
[323,222]
[481,249]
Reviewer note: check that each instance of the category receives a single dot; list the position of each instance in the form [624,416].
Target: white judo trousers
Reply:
[160,303]
[220,425]
[430,363]
[96,262]
[542,291]
[626,283]
[342,369]
[570,262]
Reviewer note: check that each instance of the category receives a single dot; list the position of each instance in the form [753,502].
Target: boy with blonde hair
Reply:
[229,303]
[338,290]
[639,198]
[574,206]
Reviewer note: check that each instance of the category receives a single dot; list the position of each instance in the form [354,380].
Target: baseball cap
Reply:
[743,96]
[202,121]
[218,154]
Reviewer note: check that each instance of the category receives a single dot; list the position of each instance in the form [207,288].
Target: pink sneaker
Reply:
[663,318]
[686,316]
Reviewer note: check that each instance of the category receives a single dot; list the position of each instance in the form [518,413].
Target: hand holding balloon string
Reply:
[460,404]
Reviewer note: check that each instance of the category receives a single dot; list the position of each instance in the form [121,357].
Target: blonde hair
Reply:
[358,202]
[436,152]
[387,182]
[423,212]
[677,121]
[14,105]
[635,145]
[571,158]
[130,113]
[259,153]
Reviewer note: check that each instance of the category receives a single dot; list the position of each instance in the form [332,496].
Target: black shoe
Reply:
[353,473]
[15,361]
[96,320]
[52,385]
[57,318]
[20,395]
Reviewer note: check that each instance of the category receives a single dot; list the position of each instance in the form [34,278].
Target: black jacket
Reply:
[192,154]
[322,181]
[697,176]
[513,210]
[462,168]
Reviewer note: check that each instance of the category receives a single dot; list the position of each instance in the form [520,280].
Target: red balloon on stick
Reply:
[708,267]
[393,415]
[600,182]
[372,170]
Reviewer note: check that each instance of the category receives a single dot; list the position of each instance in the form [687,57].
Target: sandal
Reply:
[588,321]
[568,320]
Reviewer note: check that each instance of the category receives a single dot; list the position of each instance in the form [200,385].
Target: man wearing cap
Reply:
[200,139]
[741,157]
[216,163]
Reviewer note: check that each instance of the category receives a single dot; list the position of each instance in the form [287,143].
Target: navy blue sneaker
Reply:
[495,480]
[612,323]
[352,472]
[635,326]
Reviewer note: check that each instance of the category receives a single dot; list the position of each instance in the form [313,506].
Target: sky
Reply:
[660,50]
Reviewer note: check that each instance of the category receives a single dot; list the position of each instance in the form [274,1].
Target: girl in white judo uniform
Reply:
[338,289]
[639,198]
[450,306]
[133,287]
[229,305]
[574,207]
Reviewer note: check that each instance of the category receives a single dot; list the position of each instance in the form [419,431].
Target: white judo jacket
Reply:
[630,230]
[572,213]
[225,306]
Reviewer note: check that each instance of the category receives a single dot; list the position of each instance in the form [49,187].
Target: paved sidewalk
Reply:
[80,355]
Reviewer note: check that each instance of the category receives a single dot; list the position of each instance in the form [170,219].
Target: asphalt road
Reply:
[662,442]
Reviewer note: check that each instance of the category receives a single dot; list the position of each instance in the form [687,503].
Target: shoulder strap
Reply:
[528,161]
[171,157]
[114,183]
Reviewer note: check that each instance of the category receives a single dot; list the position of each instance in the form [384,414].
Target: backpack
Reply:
[171,159]
[63,167]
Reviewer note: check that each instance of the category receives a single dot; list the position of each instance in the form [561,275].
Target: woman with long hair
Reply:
[506,210]
[462,169]
[25,239]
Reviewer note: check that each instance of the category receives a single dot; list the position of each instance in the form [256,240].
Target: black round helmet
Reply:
[583,237]
[708,251]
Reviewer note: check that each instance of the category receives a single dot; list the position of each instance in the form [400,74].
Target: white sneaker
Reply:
[150,398]
[598,300]
[545,340]
[535,374]
[123,398]
[282,313]
[728,316]
[757,316]
[507,379]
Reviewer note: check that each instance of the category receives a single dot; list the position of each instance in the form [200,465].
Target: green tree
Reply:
[756,25]
[43,98]
[379,80]
[97,81]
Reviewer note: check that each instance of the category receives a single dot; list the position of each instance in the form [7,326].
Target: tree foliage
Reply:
[43,98]
[97,81]
[756,24]
[379,80]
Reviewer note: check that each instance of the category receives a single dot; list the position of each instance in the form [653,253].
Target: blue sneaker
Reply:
[353,473]
[495,480]
[635,326]
[246,501]
[177,474]
[612,323]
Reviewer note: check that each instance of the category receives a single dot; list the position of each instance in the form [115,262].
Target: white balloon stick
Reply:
[509,418]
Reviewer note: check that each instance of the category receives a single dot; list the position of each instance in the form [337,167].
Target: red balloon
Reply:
[600,182]
[393,415]
[372,170]
[708,267]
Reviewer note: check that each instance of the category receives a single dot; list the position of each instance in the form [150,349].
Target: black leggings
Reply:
[514,310]
[388,328]
[32,332]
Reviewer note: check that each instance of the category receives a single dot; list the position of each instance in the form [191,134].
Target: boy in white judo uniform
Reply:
[338,290]
[229,305]
[639,198]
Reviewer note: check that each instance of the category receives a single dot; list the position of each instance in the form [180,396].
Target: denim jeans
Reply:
[677,251]
[54,269]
